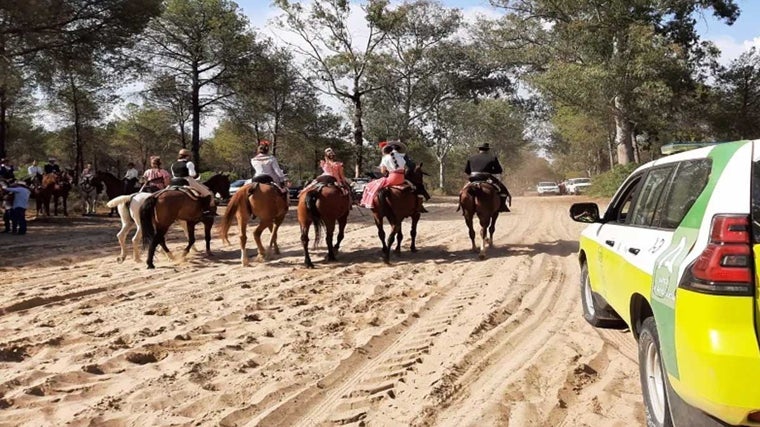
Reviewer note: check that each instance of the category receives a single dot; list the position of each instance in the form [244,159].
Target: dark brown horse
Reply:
[56,185]
[219,184]
[159,212]
[395,204]
[480,199]
[113,186]
[323,206]
[260,200]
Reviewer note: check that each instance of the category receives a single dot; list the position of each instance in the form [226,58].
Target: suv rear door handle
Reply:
[634,251]
[609,242]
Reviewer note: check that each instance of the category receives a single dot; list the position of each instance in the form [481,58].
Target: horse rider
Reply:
[330,168]
[51,166]
[391,167]
[266,168]
[156,178]
[130,178]
[420,190]
[482,167]
[184,168]
[7,170]
[34,170]
[88,170]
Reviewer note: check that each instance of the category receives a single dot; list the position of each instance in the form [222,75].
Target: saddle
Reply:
[190,192]
[407,185]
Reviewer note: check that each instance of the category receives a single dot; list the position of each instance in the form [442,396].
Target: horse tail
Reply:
[238,200]
[118,201]
[385,206]
[316,218]
[146,220]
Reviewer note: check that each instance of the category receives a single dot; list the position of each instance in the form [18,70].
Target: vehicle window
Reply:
[651,193]
[756,201]
[688,182]
[621,205]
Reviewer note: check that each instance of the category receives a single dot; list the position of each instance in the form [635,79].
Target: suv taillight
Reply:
[725,266]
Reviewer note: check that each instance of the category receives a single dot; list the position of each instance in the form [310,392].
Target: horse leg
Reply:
[389,243]
[190,226]
[381,232]
[483,238]
[162,242]
[305,243]
[63,200]
[126,227]
[471,229]
[273,241]
[207,225]
[341,229]
[413,233]
[262,256]
[399,237]
[242,224]
[492,228]
[185,226]
[152,250]
[329,231]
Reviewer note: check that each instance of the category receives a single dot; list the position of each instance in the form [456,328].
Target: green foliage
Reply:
[605,184]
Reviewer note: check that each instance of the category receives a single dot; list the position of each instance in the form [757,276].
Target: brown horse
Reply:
[54,186]
[219,184]
[260,200]
[113,186]
[480,198]
[395,204]
[160,210]
[323,206]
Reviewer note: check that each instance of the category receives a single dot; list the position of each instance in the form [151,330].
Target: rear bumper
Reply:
[718,355]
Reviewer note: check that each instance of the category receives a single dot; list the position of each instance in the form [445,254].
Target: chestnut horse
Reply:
[54,186]
[323,206]
[261,200]
[480,199]
[160,210]
[395,204]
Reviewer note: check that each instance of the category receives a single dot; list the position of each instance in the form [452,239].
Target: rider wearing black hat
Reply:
[482,167]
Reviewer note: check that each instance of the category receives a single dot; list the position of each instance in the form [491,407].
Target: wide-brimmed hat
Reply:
[398,145]
[52,159]
[484,146]
[185,153]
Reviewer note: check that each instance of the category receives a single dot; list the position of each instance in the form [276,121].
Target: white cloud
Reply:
[731,49]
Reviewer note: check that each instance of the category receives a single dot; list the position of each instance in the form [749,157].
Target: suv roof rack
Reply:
[678,147]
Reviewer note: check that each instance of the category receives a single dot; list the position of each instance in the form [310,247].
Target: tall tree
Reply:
[337,63]
[739,94]
[31,30]
[200,43]
[168,93]
[625,52]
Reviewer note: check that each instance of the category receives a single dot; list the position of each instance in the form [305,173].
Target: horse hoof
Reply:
[414,250]
[151,266]
[119,259]
[260,258]
[309,265]
[482,256]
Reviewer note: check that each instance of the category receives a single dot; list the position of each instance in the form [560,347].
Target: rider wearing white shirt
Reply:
[266,165]
[34,170]
[185,169]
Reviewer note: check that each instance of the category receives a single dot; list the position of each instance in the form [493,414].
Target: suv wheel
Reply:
[596,314]
[653,377]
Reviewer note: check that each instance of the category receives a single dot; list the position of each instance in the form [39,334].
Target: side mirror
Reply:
[584,212]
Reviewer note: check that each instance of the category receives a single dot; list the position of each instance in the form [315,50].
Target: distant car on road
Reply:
[547,187]
[578,185]
[236,185]
[357,186]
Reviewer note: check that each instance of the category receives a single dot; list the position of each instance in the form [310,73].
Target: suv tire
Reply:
[598,315]
[653,377]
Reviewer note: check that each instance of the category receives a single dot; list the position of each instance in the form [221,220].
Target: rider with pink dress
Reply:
[392,166]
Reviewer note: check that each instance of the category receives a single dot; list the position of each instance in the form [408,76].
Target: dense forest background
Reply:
[588,84]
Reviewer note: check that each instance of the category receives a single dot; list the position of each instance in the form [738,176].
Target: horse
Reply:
[219,184]
[128,207]
[160,210]
[395,204]
[55,185]
[480,198]
[261,200]
[114,187]
[323,206]
[34,183]
[89,193]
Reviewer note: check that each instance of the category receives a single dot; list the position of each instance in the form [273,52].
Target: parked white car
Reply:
[547,188]
[578,185]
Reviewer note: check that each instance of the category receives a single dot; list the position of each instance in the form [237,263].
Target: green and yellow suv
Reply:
[675,259]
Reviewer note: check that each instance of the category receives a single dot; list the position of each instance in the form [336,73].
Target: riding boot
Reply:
[420,206]
[503,207]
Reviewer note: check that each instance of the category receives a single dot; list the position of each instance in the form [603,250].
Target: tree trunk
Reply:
[3,122]
[196,109]
[182,134]
[79,157]
[622,133]
[358,133]
[441,170]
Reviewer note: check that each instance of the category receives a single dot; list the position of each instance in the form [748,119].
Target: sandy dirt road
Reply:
[436,338]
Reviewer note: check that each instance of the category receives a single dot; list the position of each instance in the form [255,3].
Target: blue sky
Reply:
[732,40]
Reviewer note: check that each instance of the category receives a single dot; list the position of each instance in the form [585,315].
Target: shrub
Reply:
[605,184]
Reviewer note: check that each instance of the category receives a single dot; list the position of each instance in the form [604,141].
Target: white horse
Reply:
[129,212]
[89,194]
